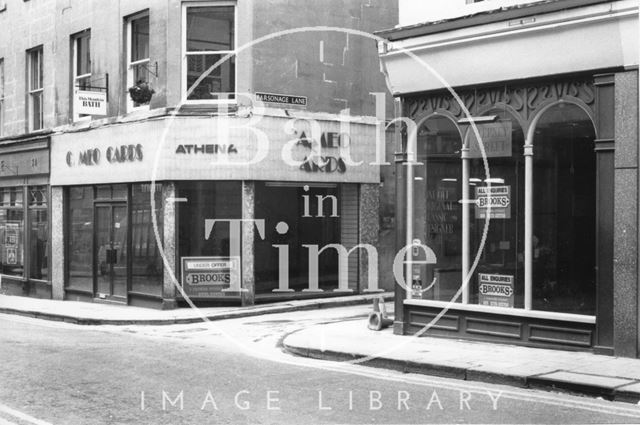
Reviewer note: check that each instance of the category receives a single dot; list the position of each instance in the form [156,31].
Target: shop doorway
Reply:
[111,253]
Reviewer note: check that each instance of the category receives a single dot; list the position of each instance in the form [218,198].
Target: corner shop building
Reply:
[102,190]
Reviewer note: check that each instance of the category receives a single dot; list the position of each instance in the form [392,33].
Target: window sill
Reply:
[207,108]
[518,312]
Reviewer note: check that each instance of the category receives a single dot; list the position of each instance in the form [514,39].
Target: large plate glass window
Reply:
[147,267]
[564,213]
[498,279]
[437,219]
[298,217]
[38,233]
[80,241]
[12,231]
[209,37]
[539,249]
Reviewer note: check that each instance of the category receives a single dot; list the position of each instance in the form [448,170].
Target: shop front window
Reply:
[438,220]
[39,233]
[12,231]
[498,279]
[80,248]
[452,192]
[298,207]
[564,213]
[205,201]
[147,266]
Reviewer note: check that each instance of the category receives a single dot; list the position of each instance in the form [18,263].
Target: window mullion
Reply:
[466,216]
[528,224]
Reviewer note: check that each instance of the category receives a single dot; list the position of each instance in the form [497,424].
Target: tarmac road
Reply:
[233,372]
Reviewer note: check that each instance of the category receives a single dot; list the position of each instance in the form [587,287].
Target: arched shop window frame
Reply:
[528,128]
[412,161]
[528,207]
[468,255]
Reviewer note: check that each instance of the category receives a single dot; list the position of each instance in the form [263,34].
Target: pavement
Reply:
[577,372]
[86,313]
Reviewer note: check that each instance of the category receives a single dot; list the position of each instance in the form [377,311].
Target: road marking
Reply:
[22,416]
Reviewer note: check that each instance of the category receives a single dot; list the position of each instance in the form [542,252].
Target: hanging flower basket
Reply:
[141,93]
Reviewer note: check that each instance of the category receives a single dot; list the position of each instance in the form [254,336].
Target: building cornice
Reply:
[486,17]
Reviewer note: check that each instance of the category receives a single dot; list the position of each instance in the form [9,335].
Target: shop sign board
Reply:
[281,99]
[495,290]
[89,102]
[499,197]
[263,148]
[496,139]
[24,163]
[210,277]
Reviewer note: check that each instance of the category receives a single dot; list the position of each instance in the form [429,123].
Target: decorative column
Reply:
[401,229]
[466,256]
[247,295]
[57,243]
[171,277]
[369,228]
[528,223]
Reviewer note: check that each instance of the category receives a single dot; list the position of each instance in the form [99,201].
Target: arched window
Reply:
[437,220]
[498,278]
[564,211]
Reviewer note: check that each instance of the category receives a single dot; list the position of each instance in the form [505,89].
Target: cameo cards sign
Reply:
[495,290]
[89,102]
[281,99]
[496,139]
[210,277]
[498,197]
[268,148]
[332,145]
[110,155]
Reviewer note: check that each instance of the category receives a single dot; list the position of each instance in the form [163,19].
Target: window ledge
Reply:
[207,108]
[536,314]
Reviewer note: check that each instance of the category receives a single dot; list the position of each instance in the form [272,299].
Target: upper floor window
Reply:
[35,89]
[208,40]
[81,45]
[137,56]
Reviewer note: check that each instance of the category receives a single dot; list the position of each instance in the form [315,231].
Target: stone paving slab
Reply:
[603,376]
[598,381]
[86,313]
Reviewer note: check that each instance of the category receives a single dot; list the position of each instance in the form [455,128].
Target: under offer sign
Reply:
[210,277]
[89,102]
